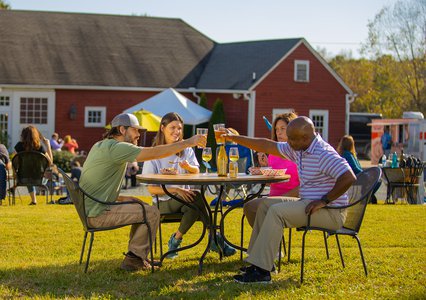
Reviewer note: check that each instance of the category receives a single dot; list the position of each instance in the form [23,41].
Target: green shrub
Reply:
[62,159]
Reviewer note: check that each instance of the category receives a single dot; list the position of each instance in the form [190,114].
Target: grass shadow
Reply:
[176,279]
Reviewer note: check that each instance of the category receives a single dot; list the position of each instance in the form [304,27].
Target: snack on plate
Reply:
[169,171]
[257,170]
[273,172]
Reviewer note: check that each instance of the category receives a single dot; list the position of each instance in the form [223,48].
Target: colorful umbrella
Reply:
[148,120]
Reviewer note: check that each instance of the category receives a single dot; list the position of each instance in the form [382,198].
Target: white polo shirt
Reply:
[319,166]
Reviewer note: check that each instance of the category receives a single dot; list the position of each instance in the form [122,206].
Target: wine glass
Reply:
[233,154]
[207,156]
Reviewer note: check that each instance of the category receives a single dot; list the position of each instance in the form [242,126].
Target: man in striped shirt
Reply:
[324,179]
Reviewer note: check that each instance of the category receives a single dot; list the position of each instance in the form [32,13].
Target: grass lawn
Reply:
[40,248]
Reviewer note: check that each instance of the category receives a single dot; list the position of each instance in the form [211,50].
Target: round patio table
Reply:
[210,215]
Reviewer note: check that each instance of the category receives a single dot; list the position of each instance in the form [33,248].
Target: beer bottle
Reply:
[222,161]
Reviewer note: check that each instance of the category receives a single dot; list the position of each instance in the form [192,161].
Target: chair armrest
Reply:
[110,203]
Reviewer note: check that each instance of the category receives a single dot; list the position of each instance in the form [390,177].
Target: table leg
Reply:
[222,221]
[203,216]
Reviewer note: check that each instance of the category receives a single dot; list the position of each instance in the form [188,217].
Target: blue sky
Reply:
[334,24]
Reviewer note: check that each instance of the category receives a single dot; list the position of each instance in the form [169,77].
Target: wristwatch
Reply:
[325,199]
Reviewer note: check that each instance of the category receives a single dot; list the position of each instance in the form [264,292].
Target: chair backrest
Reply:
[77,196]
[29,167]
[359,195]
[415,172]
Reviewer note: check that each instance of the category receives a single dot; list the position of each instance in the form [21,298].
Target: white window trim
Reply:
[102,109]
[301,62]
[324,113]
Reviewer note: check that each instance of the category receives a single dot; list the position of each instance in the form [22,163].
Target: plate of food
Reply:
[273,172]
[169,171]
[257,170]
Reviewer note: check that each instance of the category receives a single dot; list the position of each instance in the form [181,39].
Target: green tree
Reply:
[4,5]
[203,100]
[376,82]
[399,30]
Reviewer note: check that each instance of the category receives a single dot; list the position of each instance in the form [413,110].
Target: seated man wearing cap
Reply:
[103,173]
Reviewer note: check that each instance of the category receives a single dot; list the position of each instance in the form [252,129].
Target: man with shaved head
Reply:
[324,179]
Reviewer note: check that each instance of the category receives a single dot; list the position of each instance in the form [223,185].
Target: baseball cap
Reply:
[126,120]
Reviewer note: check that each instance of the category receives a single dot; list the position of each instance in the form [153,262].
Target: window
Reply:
[4,100]
[320,119]
[94,116]
[301,70]
[33,110]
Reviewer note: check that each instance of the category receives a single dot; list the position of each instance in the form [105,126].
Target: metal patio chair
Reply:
[79,198]
[29,168]
[359,195]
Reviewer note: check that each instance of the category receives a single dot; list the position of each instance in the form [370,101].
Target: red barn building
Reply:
[71,73]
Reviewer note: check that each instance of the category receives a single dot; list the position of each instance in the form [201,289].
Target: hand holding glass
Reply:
[219,129]
[202,131]
[207,156]
[233,154]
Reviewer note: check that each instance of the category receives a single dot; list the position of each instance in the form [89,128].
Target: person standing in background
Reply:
[386,141]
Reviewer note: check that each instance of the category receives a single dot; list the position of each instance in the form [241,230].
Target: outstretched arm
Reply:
[149,153]
[258,144]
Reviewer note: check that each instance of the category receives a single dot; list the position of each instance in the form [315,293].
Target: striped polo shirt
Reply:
[319,167]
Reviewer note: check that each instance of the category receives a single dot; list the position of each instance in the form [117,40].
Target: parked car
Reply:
[361,132]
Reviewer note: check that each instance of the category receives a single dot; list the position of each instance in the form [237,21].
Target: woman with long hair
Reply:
[289,188]
[32,140]
[346,149]
[171,131]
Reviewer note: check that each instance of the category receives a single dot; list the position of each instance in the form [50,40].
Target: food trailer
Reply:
[408,134]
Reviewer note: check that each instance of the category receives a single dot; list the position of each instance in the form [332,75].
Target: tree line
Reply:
[392,79]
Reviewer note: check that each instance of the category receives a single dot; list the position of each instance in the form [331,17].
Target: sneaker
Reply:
[227,249]
[132,263]
[173,245]
[245,269]
[254,275]
[64,200]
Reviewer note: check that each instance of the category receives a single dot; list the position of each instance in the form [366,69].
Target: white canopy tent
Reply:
[171,101]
